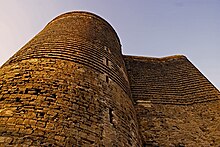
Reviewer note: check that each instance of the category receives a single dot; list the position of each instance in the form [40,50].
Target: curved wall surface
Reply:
[68,86]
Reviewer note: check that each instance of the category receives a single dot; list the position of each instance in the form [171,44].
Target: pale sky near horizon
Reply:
[153,28]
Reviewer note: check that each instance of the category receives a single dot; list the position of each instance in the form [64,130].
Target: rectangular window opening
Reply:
[107,79]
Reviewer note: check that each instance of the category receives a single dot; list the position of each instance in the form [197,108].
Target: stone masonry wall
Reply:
[176,105]
[71,86]
[166,125]
[68,86]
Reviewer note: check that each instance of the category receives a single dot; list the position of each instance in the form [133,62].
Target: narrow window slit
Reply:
[111,116]
[106,62]
[107,79]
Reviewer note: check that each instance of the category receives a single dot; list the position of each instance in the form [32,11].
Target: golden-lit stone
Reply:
[71,86]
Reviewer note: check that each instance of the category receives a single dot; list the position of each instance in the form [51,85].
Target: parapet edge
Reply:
[155,59]
[84,13]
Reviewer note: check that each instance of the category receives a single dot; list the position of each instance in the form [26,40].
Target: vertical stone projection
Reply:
[68,86]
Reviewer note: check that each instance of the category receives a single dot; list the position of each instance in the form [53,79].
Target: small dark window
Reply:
[107,62]
[17,99]
[107,79]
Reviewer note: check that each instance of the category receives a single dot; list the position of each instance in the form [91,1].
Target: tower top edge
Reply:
[78,13]
[84,13]
[156,59]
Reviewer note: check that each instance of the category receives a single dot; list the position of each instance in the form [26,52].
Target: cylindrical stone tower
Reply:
[68,86]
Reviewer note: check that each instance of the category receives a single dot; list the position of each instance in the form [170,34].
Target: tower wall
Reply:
[68,86]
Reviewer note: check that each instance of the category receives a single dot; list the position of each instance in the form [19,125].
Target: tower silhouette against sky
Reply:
[71,86]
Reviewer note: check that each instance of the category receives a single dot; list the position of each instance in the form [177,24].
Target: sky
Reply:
[153,28]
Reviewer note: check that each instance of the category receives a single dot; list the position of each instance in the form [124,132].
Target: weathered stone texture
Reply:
[175,104]
[71,86]
[68,86]
[169,80]
[180,125]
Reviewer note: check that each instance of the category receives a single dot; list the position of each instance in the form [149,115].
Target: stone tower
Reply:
[68,86]
[71,86]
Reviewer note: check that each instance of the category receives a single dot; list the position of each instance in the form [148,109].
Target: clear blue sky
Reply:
[146,27]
